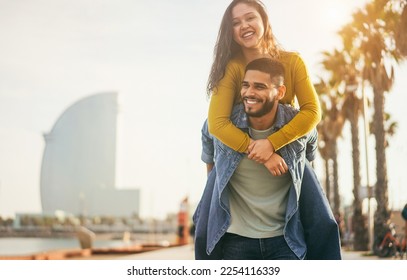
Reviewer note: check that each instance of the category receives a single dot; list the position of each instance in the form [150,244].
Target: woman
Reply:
[245,34]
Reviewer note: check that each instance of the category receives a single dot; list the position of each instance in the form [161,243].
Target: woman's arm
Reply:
[276,165]
[310,112]
[220,108]
[301,124]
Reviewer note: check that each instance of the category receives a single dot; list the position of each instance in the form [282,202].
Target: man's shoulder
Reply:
[287,112]
[238,116]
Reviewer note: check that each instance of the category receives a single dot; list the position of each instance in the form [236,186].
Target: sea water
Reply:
[21,246]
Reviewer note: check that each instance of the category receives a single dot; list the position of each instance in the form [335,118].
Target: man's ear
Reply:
[281,92]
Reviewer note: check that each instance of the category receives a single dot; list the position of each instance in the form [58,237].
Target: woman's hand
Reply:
[276,165]
[260,150]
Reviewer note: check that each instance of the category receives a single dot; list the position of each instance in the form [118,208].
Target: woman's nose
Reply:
[244,25]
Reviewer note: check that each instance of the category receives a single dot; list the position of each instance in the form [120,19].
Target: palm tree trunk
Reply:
[382,214]
[359,221]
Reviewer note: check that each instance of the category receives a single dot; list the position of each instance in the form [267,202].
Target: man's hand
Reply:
[250,144]
[276,165]
[260,150]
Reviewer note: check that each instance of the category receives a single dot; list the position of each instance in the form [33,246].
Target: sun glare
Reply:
[336,13]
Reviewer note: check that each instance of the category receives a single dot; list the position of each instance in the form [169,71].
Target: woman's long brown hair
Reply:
[226,48]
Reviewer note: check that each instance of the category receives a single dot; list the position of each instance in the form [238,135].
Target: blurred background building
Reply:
[79,163]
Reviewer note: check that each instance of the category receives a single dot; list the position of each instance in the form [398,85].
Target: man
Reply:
[250,210]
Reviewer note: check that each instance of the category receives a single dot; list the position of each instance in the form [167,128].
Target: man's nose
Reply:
[251,90]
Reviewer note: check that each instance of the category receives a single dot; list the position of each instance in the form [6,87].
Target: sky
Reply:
[157,56]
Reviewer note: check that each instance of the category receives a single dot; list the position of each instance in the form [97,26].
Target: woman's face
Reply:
[248,28]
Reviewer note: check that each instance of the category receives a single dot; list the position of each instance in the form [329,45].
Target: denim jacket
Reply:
[226,161]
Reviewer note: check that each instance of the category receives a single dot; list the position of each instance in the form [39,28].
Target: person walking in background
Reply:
[254,214]
[404,212]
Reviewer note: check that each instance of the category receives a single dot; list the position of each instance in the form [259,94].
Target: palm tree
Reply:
[323,148]
[352,108]
[331,126]
[342,69]
[374,34]
[330,129]
[401,32]
[324,153]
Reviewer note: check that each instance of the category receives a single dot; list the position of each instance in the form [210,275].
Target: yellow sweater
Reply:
[298,86]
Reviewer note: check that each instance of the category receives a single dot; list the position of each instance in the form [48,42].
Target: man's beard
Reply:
[265,109]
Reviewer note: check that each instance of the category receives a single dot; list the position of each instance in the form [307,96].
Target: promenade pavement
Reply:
[187,253]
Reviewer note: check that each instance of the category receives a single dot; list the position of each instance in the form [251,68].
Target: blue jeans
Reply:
[236,247]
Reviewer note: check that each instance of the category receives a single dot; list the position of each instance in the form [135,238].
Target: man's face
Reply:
[258,93]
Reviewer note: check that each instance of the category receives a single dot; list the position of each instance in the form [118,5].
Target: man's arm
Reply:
[312,145]
[208,148]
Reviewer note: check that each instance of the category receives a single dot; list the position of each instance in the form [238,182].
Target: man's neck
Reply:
[263,122]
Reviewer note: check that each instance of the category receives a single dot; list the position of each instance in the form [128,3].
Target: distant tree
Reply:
[329,130]
[346,67]
[401,31]
[375,31]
